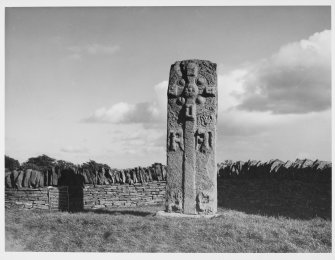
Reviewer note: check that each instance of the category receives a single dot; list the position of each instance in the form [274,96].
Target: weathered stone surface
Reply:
[54,178]
[123,177]
[26,178]
[81,175]
[100,177]
[19,179]
[141,175]
[158,171]
[191,138]
[33,178]
[8,179]
[178,215]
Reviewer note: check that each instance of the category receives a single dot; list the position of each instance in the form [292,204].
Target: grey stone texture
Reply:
[89,197]
[191,138]
[180,215]
[29,178]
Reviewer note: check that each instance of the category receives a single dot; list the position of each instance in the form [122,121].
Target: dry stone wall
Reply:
[47,198]
[300,189]
[79,176]
[76,198]
[276,197]
[304,170]
[127,195]
[294,189]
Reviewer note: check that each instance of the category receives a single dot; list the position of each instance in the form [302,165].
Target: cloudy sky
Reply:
[90,83]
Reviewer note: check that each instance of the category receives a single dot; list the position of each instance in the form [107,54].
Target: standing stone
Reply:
[117,176]
[158,171]
[149,174]
[164,172]
[133,172]
[152,173]
[8,180]
[123,177]
[33,178]
[191,138]
[19,179]
[56,173]
[26,178]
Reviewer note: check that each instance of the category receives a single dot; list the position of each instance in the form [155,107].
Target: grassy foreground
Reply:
[138,230]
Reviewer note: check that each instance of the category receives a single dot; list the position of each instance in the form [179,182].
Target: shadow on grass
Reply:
[267,197]
[137,213]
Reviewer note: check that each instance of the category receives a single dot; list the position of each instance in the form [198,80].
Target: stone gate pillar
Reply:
[191,138]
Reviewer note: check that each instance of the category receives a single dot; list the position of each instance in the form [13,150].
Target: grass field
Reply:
[138,230]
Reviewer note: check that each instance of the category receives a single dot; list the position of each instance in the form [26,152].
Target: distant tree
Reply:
[41,162]
[32,166]
[94,166]
[11,164]
[64,164]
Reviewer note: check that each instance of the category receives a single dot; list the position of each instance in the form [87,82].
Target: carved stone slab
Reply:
[191,138]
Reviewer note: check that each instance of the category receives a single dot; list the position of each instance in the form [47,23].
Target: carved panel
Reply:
[176,140]
[204,140]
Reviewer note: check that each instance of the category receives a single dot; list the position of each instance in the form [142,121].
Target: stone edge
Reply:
[180,215]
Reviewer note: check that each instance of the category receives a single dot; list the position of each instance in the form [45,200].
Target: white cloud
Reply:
[151,113]
[114,114]
[161,95]
[296,79]
[230,89]
[291,86]
[74,149]
[125,113]
[140,140]
[78,51]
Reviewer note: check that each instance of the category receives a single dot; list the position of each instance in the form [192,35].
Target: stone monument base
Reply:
[180,215]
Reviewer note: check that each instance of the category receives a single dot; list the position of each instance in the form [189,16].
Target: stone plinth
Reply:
[180,215]
[191,138]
